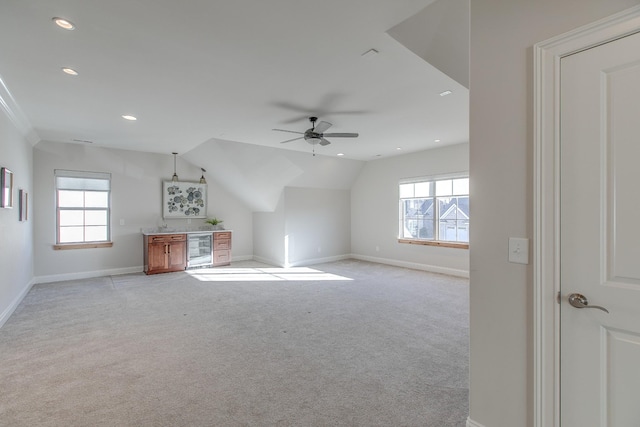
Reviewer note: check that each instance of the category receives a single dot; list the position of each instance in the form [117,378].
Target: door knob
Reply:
[580,301]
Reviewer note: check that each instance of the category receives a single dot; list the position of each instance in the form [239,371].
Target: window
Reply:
[82,207]
[435,210]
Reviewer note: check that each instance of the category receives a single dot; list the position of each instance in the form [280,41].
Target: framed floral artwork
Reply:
[184,200]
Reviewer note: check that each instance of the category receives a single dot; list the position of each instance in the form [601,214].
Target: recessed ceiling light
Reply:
[70,71]
[63,23]
[436,140]
[398,148]
[340,154]
[130,118]
[445,93]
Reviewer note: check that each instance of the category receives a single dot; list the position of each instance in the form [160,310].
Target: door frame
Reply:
[546,201]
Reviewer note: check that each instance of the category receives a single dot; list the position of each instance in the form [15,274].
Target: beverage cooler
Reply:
[200,250]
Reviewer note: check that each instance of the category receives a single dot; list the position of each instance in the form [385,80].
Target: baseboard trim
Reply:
[313,261]
[129,270]
[414,265]
[301,263]
[242,258]
[471,423]
[265,261]
[6,314]
[86,274]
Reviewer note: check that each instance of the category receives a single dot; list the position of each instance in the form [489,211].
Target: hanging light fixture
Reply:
[202,180]
[174,178]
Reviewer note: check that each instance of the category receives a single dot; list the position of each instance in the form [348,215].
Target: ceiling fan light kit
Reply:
[316,134]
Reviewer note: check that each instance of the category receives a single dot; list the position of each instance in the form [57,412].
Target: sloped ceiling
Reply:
[258,174]
[210,79]
[232,70]
[439,34]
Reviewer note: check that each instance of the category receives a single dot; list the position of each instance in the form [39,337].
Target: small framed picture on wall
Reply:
[6,186]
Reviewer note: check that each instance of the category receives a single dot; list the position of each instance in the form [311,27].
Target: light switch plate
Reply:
[518,250]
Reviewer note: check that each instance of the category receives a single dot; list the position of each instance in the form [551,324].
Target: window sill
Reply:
[435,243]
[65,246]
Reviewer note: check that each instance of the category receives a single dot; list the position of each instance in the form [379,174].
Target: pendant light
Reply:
[202,180]
[174,178]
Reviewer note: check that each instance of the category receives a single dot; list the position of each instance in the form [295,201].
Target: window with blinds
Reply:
[82,206]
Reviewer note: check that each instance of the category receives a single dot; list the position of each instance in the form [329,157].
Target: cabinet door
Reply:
[158,256]
[177,255]
[222,248]
[221,258]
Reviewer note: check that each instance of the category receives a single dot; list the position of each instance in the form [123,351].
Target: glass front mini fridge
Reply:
[200,250]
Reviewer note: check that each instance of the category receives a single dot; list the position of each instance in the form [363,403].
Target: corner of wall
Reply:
[471,423]
[11,308]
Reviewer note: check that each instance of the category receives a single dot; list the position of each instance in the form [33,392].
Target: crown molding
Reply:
[16,115]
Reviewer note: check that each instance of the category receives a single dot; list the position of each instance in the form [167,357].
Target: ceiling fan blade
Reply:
[324,141]
[341,135]
[290,131]
[294,139]
[322,126]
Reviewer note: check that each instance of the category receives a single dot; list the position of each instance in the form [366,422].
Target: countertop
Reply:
[179,230]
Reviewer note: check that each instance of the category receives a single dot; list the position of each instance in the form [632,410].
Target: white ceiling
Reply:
[199,70]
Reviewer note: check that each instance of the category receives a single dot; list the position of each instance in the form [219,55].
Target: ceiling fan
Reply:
[316,134]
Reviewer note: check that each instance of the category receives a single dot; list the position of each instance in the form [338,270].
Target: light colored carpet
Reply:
[348,343]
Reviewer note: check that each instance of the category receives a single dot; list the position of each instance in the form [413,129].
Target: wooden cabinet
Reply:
[221,248]
[164,253]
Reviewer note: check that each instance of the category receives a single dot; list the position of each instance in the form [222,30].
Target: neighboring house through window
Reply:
[82,207]
[434,210]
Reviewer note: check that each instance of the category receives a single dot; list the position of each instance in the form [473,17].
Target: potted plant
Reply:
[215,222]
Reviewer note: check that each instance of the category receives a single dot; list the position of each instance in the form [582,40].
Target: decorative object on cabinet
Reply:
[215,222]
[221,248]
[164,253]
[184,200]
[23,205]
[6,184]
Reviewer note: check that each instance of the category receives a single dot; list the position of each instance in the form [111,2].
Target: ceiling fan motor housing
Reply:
[317,136]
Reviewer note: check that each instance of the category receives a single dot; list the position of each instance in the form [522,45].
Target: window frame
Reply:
[78,185]
[431,182]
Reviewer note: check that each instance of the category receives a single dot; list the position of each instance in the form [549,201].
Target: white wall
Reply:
[136,198]
[501,163]
[374,209]
[16,252]
[309,225]
[268,235]
[317,225]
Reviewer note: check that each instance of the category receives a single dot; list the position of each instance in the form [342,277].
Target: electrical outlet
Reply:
[121,221]
[518,250]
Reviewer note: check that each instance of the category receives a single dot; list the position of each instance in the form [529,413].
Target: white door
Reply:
[600,235]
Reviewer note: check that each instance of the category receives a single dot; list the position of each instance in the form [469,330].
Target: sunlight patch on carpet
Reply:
[274,274]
